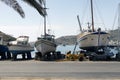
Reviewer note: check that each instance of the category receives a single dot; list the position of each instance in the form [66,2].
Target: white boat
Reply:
[46,44]
[21,45]
[92,40]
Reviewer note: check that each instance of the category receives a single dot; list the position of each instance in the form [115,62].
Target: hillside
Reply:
[115,35]
[66,40]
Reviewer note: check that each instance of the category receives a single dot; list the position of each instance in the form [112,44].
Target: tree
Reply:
[39,5]
[15,5]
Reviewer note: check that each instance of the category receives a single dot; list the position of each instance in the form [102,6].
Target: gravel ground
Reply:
[66,70]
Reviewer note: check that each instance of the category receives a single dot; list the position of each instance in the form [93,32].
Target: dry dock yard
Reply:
[66,70]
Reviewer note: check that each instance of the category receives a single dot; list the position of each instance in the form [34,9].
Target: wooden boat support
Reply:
[25,55]
[50,56]
[4,52]
[5,55]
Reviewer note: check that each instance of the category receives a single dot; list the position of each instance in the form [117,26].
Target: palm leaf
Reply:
[42,2]
[37,5]
[14,4]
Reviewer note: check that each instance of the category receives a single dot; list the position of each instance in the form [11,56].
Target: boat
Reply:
[116,43]
[4,52]
[4,39]
[91,39]
[20,46]
[46,43]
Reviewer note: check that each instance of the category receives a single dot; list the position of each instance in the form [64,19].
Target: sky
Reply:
[61,18]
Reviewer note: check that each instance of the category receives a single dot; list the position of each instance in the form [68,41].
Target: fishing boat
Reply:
[46,43]
[20,46]
[91,39]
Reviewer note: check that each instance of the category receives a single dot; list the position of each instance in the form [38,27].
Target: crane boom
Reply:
[79,23]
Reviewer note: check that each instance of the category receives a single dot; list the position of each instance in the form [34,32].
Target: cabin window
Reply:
[22,43]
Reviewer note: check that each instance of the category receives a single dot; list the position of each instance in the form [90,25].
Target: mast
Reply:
[45,26]
[92,15]
[45,19]
[118,24]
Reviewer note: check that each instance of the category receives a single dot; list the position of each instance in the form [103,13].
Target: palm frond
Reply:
[38,6]
[14,4]
[42,2]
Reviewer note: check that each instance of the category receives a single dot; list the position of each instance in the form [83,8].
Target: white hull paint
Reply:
[89,40]
[45,46]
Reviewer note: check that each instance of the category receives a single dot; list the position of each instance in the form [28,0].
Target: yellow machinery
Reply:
[74,57]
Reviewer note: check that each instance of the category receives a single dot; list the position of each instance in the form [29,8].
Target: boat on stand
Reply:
[4,52]
[45,45]
[20,46]
[92,40]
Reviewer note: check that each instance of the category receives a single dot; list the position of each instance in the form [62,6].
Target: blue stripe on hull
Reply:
[19,51]
[99,33]
[3,48]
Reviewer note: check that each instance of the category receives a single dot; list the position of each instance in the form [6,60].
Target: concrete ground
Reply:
[66,70]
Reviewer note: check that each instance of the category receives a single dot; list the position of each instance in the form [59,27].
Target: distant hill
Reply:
[67,40]
[115,35]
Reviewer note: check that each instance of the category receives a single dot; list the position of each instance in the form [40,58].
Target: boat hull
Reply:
[20,48]
[3,49]
[92,41]
[45,46]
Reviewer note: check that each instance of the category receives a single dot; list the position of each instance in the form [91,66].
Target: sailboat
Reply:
[46,43]
[91,39]
[117,50]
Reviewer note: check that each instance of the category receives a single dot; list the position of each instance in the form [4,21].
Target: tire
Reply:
[81,59]
[38,56]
